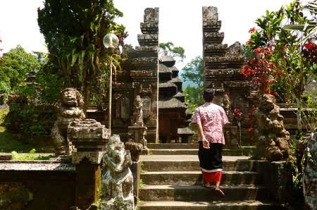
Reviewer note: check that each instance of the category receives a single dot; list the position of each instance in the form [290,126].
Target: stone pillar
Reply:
[222,66]
[90,138]
[139,77]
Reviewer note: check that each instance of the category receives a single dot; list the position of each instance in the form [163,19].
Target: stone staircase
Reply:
[172,181]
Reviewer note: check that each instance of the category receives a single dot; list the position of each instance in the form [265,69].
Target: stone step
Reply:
[190,205]
[191,163]
[199,193]
[228,152]
[173,145]
[195,177]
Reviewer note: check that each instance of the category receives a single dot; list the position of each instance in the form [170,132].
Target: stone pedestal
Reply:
[139,78]
[90,138]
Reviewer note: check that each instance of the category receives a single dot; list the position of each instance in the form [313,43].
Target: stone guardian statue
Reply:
[70,109]
[117,181]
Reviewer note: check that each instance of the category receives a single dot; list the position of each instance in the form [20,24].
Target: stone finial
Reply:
[151,15]
[70,109]
[117,181]
[210,13]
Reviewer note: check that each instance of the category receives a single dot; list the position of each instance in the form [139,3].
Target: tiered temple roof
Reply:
[173,113]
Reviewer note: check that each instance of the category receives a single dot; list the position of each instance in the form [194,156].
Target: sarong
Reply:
[210,161]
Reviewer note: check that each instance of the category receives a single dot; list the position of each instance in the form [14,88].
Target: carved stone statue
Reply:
[138,111]
[117,181]
[226,103]
[70,109]
[273,139]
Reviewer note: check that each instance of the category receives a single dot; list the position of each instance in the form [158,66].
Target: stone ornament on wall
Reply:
[14,196]
[70,109]
[273,139]
[117,180]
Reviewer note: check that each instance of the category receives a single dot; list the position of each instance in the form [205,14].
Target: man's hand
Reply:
[205,143]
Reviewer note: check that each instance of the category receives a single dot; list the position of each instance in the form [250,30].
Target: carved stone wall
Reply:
[139,76]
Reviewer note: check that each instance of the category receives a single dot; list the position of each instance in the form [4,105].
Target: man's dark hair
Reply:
[208,94]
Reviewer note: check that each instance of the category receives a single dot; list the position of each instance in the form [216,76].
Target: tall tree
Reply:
[15,67]
[74,31]
[193,71]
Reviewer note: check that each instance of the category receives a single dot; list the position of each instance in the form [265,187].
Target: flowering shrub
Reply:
[260,70]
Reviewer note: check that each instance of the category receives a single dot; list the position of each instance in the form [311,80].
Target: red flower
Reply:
[248,42]
[237,111]
[250,130]
[309,45]
[252,30]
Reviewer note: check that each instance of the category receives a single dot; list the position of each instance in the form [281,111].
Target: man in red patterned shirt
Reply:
[210,119]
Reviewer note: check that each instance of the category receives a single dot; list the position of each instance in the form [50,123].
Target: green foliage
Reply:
[193,97]
[73,31]
[30,156]
[141,183]
[15,67]
[289,57]
[30,119]
[193,71]
[169,49]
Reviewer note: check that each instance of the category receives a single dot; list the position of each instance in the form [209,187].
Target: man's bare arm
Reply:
[202,135]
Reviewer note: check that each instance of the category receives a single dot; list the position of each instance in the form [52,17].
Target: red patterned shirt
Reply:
[212,118]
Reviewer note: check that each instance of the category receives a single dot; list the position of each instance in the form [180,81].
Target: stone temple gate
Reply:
[157,83]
